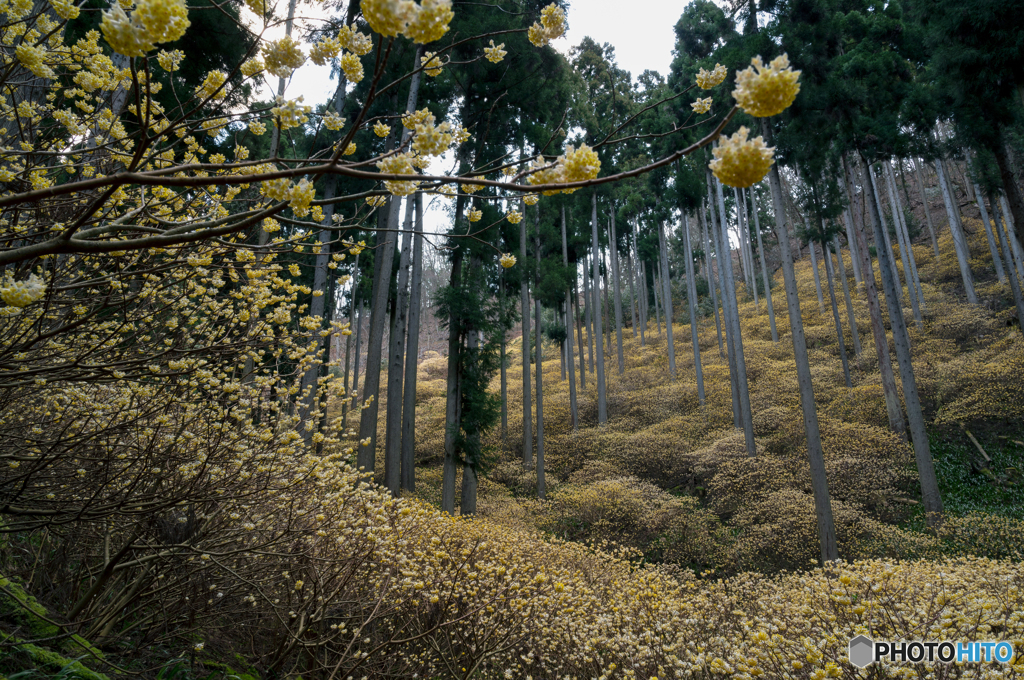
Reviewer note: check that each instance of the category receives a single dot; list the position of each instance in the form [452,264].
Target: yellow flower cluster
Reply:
[170,61]
[531,199]
[282,57]
[514,217]
[551,26]
[300,196]
[380,129]
[325,50]
[212,86]
[354,41]
[422,23]
[508,260]
[432,64]
[574,165]
[34,59]
[495,53]
[399,164]
[332,121]
[474,215]
[701,105]
[22,293]
[352,67]
[291,113]
[762,91]
[152,22]
[65,9]
[709,79]
[741,162]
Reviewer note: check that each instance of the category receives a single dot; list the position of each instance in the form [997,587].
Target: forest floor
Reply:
[669,477]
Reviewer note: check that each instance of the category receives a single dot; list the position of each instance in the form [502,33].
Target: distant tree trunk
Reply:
[606,319]
[712,282]
[470,480]
[656,285]
[412,351]
[573,412]
[366,457]
[666,288]
[1011,236]
[1015,207]
[996,260]
[524,292]
[453,392]
[815,456]
[541,492]
[602,404]
[892,400]
[906,237]
[918,433]
[814,268]
[927,210]
[588,308]
[745,247]
[963,255]
[1008,262]
[691,303]
[353,321]
[717,228]
[360,318]
[903,241]
[396,364]
[858,277]
[613,251]
[579,329]
[732,318]
[846,295]
[630,275]
[835,314]
[764,269]
[641,290]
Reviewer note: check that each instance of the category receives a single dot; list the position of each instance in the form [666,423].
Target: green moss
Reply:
[27,613]
[52,661]
[228,671]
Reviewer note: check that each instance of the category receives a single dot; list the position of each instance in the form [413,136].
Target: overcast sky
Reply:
[641,31]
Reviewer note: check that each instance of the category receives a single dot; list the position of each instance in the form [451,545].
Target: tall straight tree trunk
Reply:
[927,210]
[524,293]
[996,260]
[1014,202]
[666,287]
[691,295]
[732,318]
[741,256]
[470,480]
[915,416]
[613,251]
[963,255]
[815,455]
[903,241]
[748,250]
[588,308]
[453,391]
[579,331]
[830,275]
[657,298]
[360,319]
[412,350]
[717,227]
[846,296]
[541,492]
[366,457]
[632,292]
[712,279]
[764,269]
[1015,281]
[1011,235]
[606,320]
[573,412]
[353,322]
[641,289]
[905,230]
[892,400]
[885,234]
[396,363]
[814,269]
[602,404]
[850,240]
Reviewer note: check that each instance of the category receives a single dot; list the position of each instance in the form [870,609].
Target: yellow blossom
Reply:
[474,215]
[507,260]
[432,65]
[701,105]
[495,53]
[380,129]
[709,79]
[283,56]
[741,162]
[762,91]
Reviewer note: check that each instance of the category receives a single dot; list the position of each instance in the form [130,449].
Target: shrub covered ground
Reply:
[662,550]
